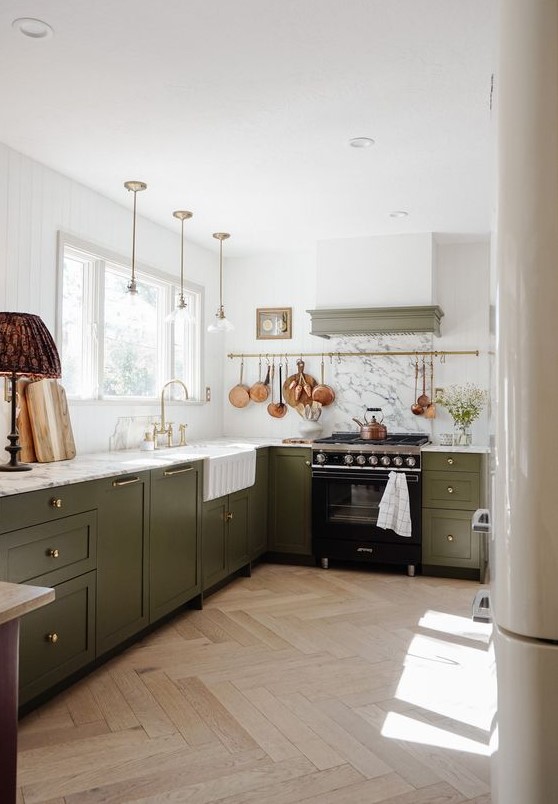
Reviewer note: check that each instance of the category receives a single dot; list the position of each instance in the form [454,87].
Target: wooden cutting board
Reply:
[27,454]
[50,421]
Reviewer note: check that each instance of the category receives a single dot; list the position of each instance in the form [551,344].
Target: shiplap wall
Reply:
[35,203]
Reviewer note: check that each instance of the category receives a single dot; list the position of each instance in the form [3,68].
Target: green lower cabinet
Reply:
[259,492]
[58,639]
[448,539]
[122,558]
[290,501]
[224,536]
[174,537]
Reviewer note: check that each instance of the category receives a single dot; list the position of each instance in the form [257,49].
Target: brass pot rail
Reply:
[338,355]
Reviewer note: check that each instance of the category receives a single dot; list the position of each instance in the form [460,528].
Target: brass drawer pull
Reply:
[449,537]
[56,502]
[171,472]
[52,638]
[450,461]
[450,489]
[117,483]
[54,553]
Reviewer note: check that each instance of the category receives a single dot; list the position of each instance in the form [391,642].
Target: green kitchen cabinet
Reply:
[452,489]
[225,549]
[54,543]
[122,558]
[174,537]
[290,501]
[259,494]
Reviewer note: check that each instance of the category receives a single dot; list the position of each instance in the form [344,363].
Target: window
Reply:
[113,347]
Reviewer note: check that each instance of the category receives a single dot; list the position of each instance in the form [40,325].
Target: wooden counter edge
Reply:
[17,599]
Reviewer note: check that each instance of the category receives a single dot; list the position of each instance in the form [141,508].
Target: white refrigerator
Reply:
[524,546]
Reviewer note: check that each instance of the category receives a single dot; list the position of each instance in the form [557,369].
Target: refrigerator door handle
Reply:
[481,521]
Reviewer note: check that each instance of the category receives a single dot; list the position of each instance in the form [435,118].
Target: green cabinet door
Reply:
[122,558]
[174,535]
[259,494]
[214,552]
[237,530]
[290,501]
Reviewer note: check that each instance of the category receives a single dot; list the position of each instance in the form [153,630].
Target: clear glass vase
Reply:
[462,436]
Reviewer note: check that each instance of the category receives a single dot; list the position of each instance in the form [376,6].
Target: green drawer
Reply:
[58,639]
[455,490]
[32,507]
[451,461]
[55,551]
[447,539]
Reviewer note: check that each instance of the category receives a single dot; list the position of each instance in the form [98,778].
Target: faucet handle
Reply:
[169,434]
[182,432]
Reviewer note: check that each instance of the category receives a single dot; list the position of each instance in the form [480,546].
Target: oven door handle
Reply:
[325,474]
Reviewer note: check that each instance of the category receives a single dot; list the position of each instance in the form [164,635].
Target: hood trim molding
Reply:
[328,323]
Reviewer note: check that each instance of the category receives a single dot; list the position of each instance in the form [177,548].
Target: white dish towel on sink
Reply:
[395,511]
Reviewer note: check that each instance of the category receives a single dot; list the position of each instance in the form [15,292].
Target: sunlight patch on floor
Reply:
[402,727]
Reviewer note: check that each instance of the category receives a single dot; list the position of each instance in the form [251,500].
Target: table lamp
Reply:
[26,350]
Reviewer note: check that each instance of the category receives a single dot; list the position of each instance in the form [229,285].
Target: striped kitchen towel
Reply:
[395,512]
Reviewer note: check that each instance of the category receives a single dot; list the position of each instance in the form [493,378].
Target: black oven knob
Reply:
[398,460]
[410,461]
[320,458]
[361,460]
[385,460]
[373,460]
[348,460]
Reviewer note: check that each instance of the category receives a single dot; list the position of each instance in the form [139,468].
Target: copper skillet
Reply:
[323,393]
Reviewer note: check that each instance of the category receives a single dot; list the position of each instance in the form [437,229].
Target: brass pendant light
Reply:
[221,323]
[135,187]
[180,312]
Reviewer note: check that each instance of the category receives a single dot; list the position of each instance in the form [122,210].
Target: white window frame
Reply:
[97,257]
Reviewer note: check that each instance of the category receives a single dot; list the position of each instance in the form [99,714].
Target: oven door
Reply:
[345,508]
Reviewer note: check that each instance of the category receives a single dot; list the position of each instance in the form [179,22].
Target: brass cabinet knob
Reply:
[450,489]
[307,463]
[56,502]
[228,516]
[450,461]
[53,553]
[449,537]
[52,638]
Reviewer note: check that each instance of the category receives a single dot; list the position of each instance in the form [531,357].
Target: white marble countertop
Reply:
[439,448]
[96,465]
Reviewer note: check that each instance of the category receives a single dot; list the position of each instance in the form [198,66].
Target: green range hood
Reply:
[375,321]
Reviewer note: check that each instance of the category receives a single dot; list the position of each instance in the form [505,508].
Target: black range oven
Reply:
[349,477]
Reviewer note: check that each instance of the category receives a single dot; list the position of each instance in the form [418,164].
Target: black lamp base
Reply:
[13,464]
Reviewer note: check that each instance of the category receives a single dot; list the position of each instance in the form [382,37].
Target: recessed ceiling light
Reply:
[398,213]
[34,29]
[361,142]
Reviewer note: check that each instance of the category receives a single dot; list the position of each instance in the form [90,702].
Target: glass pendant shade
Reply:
[180,312]
[132,288]
[221,323]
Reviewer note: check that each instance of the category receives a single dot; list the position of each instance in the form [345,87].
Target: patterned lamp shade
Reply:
[26,347]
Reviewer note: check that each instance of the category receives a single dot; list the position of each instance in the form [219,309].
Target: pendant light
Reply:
[221,323]
[135,187]
[180,312]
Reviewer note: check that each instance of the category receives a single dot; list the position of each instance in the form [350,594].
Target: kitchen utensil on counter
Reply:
[50,421]
[27,453]
[239,395]
[372,430]
[278,409]
[323,393]
[424,399]
[430,412]
[298,387]
[259,391]
[417,409]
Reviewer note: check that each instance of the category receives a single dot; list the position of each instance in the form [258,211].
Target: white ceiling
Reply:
[241,111]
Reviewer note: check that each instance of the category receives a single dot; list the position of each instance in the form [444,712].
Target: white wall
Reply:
[36,202]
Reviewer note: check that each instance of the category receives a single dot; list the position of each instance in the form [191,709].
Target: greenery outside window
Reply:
[113,348]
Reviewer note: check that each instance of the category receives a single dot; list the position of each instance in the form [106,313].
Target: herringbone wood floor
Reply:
[298,684]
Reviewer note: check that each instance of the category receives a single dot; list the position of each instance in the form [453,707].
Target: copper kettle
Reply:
[372,430]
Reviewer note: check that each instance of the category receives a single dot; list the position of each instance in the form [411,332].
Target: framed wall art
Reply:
[274,322]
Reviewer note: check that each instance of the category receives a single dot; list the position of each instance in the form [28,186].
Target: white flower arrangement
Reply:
[464,403]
